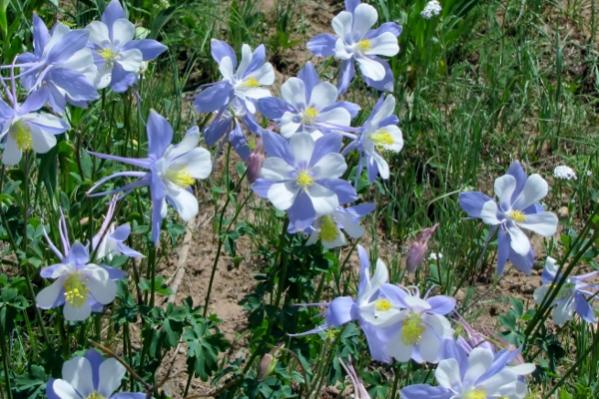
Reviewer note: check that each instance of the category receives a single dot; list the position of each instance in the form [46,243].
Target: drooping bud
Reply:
[254,162]
[267,365]
[418,248]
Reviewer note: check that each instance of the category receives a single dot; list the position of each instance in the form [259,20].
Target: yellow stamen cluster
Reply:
[382,137]
[21,134]
[181,177]
[476,394]
[107,54]
[364,45]
[412,329]
[517,216]
[95,395]
[250,82]
[328,229]
[304,179]
[310,114]
[383,305]
[75,291]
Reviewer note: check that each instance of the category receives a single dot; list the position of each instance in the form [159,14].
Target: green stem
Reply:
[5,354]
[282,265]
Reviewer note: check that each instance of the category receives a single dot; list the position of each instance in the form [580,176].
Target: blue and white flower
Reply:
[329,229]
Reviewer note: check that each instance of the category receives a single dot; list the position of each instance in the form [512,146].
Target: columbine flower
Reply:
[376,312]
[22,129]
[303,177]
[418,248]
[171,171]
[480,374]
[307,104]
[573,296]
[118,56]
[423,326]
[431,9]
[90,377]
[355,41]
[110,240]
[517,208]
[328,228]
[81,286]
[233,97]
[61,68]
[379,133]
[564,172]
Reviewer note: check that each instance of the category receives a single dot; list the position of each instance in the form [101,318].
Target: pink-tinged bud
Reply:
[418,248]
[254,162]
[360,391]
[267,366]
[473,339]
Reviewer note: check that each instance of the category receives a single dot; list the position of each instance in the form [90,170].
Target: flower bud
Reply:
[267,366]
[418,248]
[254,162]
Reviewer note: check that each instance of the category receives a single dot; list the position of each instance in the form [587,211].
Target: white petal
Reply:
[534,190]
[282,195]
[381,165]
[72,313]
[104,76]
[339,241]
[371,68]
[196,162]
[342,24]
[130,60]
[523,369]
[265,75]
[380,276]
[301,146]
[11,155]
[504,188]
[111,374]
[274,168]
[540,293]
[386,110]
[78,372]
[448,373]
[41,142]
[400,351]
[123,31]
[294,92]
[488,213]
[543,223]
[100,286]
[437,328]
[563,312]
[256,93]
[184,202]
[518,240]
[330,166]
[336,116]
[323,200]
[64,390]
[246,59]
[98,33]
[323,95]
[479,361]
[365,17]
[226,68]
[47,297]
[385,44]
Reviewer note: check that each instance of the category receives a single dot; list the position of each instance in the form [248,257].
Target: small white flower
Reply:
[564,172]
[435,256]
[432,9]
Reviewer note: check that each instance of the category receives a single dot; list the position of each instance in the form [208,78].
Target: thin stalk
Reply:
[282,265]
[5,354]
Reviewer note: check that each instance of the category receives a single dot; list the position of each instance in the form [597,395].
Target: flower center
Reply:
[476,394]
[95,395]
[181,177]
[412,329]
[304,179]
[310,114]
[364,45]
[21,134]
[328,229]
[517,216]
[250,82]
[107,54]
[382,137]
[383,305]
[75,291]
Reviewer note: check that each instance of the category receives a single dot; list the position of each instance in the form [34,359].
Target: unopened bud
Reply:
[267,366]
[418,248]
[254,162]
